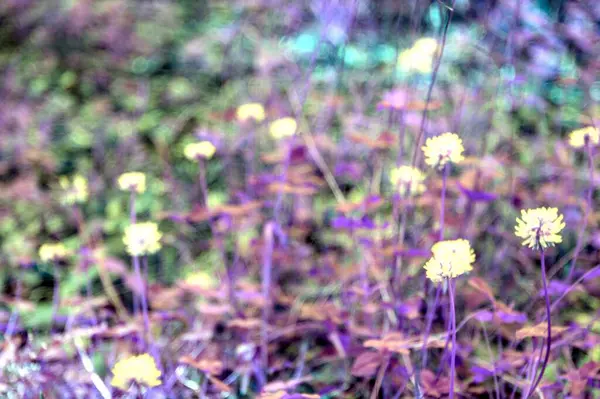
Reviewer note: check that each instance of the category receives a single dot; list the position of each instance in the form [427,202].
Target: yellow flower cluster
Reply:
[540,227]
[419,58]
[249,111]
[284,127]
[199,150]
[450,259]
[408,180]
[74,191]
[132,181]
[577,137]
[439,150]
[140,369]
[53,252]
[142,238]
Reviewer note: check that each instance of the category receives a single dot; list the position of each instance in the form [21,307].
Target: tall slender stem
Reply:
[55,295]
[588,208]
[282,180]
[549,322]
[143,300]
[443,202]
[429,320]
[453,326]
[203,183]
[266,290]
[14,314]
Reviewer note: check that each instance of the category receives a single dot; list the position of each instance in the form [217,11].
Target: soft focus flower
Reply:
[74,191]
[251,111]
[140,369]
[201,279]
[202,149]
[577,137]
[540,227]
[53,252]
[450,259]
[419,58]
[142,238]
[132,181]
[284,127]
[447,147]
[408,180]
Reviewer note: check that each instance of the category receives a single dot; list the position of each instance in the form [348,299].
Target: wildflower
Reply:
[284,127]
[250,111]
[53,252]
[75,191]
[142,238]
[140,369]
[201,279]
[447,147]
[540,227]
[419,58]
[450,259]
[132,181]
[202,149]
[577,138]
[409,180]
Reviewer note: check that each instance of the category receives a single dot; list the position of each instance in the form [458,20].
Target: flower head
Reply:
[409,180]
[447,147]
[540,227]
[249,111]
[419,58]
[284,127]
[132,181]
[577,138]
[140,369]
[142,238]
[53,252]
[450,259]
[200,150]
[74,191]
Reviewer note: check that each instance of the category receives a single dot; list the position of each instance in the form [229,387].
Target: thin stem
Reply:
[430,89]
[144,303]
[14,314]
[203,183]
[549,321]
[266,290]
[588,208]
[55,295]
[380,375]
[282,180]
[443,204]
[429,320]
[453,349]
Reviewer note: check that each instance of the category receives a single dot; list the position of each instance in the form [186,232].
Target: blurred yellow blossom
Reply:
[202,280]
[450,259]
[74,191]
[419,58]
[408,180]
[53,252]
[540,227]
[202,149]
[439,150]
[132,181]
[142,238]
[251,111]
[284,127]
[140,369]
[577,137]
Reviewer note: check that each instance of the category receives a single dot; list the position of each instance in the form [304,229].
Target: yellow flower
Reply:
[447,147]
[540,227]
[408,180]
[202,149]
[53,252]
[419,58]
[450,259]
[284,127]
[74,191]
[132,181]
[577,137]
[251,111]
[140,369]
[202,280]
[142,238]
